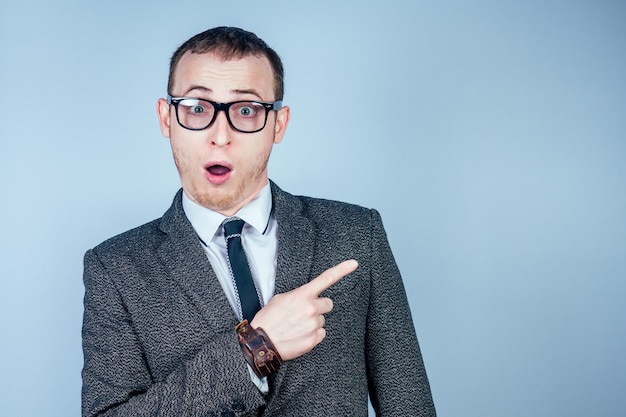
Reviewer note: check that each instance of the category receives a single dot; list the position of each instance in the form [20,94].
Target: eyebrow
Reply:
[236,91]
[249,91]
[197,87]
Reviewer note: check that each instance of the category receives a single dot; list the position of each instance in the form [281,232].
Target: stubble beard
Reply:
[220,198]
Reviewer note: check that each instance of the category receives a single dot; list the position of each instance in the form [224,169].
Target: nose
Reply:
[220,132]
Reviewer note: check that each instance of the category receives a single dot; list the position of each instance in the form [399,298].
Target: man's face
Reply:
[220,168]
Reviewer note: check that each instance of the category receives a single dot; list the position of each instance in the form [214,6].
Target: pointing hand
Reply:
[294,321]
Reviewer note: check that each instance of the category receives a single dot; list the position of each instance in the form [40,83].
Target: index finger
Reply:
[329,277]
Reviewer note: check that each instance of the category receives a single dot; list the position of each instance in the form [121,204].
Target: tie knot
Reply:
[233,226]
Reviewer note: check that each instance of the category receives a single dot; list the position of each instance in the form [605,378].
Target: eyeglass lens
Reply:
[246,116]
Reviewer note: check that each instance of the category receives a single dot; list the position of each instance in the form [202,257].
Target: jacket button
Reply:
[225,412]
[238,406]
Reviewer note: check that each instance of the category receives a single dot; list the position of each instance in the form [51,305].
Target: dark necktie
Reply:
[246,291]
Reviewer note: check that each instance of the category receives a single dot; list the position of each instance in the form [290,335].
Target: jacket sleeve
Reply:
[117,379]
[398,382]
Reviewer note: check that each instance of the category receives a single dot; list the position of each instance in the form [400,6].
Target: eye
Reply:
[246,111]
[198,109]
[193,106]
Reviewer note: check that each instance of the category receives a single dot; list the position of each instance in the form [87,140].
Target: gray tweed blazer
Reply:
[158,331]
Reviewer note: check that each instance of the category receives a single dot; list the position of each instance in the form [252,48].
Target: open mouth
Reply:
[218,174]
[218,170]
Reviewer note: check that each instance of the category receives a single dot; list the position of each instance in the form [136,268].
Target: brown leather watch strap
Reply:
[258,349]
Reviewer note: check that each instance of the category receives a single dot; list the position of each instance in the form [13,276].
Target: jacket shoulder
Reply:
[324,208]
[144,236]
[315,207]
[322,214]
[149,235]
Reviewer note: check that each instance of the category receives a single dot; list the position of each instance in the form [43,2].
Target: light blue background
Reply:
[490,135]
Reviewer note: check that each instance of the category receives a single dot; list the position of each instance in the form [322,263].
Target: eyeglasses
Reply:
[243,116]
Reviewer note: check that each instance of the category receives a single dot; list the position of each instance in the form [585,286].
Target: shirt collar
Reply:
[207,222]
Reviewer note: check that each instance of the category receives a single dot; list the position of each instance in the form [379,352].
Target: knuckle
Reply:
[325,305]
[310,310]
[321,334]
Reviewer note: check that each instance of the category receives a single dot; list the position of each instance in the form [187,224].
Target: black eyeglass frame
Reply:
[268,106]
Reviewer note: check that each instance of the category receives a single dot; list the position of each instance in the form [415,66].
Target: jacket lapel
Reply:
[191,270]
[295,253]
[295,241]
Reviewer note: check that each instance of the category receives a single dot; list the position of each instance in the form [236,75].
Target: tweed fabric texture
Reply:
[158,331]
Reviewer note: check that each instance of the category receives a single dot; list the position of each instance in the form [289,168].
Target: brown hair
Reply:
[228,43]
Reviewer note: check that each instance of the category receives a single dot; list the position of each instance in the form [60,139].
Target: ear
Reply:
[163,112]
[282,120]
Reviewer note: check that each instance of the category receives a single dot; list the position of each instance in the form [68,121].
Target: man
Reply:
[173,323]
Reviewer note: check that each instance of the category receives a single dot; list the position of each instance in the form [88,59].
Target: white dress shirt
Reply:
[260,242]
